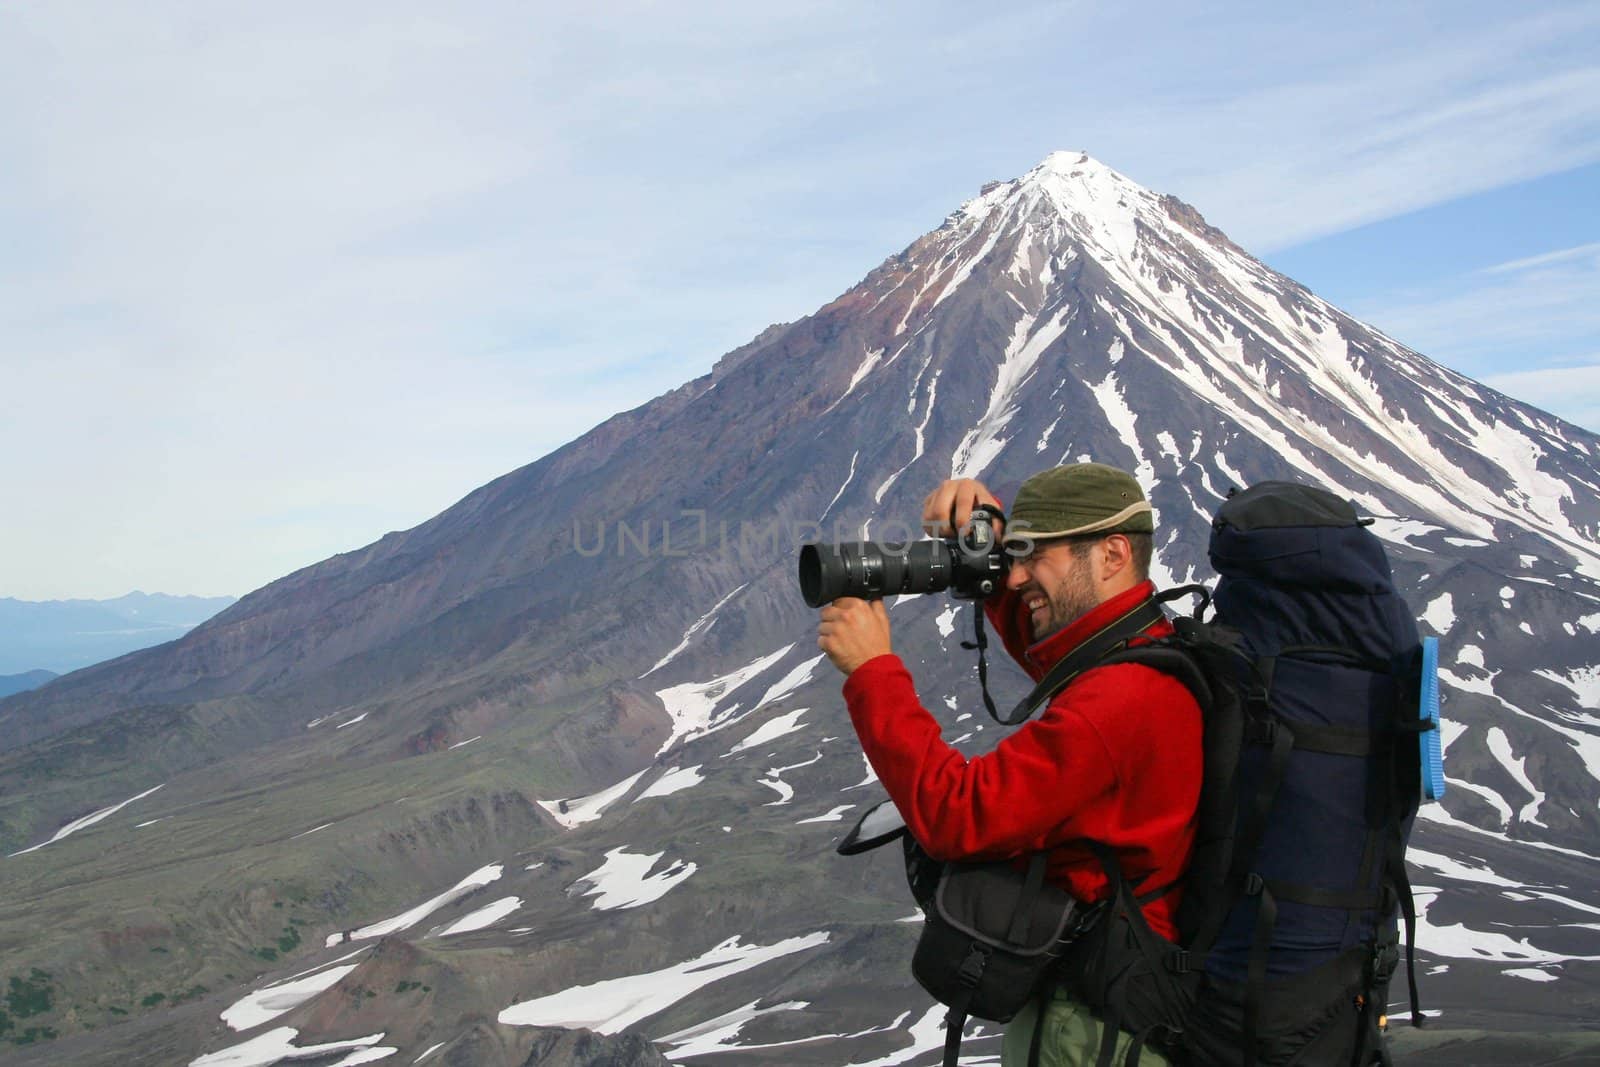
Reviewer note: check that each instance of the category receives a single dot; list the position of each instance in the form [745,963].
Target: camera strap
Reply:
[980,641]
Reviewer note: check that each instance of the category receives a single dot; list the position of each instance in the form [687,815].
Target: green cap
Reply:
[1080,498]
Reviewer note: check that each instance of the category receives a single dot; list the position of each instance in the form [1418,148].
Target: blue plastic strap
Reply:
[1431,746]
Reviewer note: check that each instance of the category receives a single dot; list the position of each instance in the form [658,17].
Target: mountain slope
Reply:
[580,714]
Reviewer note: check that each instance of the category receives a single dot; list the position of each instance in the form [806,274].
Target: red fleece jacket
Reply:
[1115,758]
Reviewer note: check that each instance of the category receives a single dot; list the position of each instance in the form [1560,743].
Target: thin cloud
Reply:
[1543,306]
[1565,255]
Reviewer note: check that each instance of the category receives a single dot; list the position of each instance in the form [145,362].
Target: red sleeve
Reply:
[1026,794]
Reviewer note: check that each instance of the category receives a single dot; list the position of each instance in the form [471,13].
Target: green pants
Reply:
[1071,1037]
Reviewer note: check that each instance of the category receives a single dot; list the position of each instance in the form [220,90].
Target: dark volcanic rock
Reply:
[584,1048]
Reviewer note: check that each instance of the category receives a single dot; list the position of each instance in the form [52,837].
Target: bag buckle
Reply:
[1253,885]
[971,969]
[1178,962]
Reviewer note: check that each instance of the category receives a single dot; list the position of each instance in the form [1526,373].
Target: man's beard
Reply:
[1070,601]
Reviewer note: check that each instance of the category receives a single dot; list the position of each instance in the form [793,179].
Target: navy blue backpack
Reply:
[1312,783]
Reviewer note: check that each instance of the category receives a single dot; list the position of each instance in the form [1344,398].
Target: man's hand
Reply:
[958,496]
[852,631]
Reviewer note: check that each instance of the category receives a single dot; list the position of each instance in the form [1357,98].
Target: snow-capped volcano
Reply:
[595,676]
[1340,402]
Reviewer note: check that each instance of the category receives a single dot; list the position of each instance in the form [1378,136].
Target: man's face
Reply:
[1056,584]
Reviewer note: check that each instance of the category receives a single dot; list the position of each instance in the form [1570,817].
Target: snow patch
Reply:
[88,820]
[485,916]
[1500,748]
[612,1005]
[920,429]
[624,880]
[1584,682]
[788,683]
[982,444]
[1440,614]
[1400,531]
[1457,869]
[693,706]
[1234,477]
[716,1035]
[836,815]
[1457,941]
[407,919]
[927,1035]
[673,781]
[366,1055]
[267,1004]
[576,812]
[699,624]
[278,1044]
[771,730]
[843,485]
[872,776]
[869,361]
[1532,974]
[784,790]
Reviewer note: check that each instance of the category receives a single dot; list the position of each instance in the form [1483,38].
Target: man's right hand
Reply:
[953,502]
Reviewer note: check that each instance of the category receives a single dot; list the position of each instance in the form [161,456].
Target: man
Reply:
[1115,758]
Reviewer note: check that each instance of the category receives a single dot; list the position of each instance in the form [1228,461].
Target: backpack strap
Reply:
[1108,639]
[1281,737]
[1396,867]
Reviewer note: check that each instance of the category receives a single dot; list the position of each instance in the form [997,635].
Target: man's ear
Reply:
[1116,556]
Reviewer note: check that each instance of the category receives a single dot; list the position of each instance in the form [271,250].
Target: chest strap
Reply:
[1114,635]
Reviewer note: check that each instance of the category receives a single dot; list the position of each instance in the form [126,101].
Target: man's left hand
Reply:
[852,631]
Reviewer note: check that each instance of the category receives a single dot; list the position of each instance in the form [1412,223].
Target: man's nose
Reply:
[1017,575]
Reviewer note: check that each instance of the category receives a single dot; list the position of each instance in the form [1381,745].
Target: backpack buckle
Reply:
[1178,962]
[1254,884]
[1385,958]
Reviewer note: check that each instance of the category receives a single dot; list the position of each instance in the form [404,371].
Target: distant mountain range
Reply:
[566,755]
[21,683]
[64,635]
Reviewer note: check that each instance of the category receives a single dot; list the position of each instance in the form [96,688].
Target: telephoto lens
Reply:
[870,570]
[972,566]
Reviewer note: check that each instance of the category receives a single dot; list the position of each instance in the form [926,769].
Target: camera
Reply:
[972,565]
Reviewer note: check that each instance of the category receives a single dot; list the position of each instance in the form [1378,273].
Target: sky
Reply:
[276,279]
